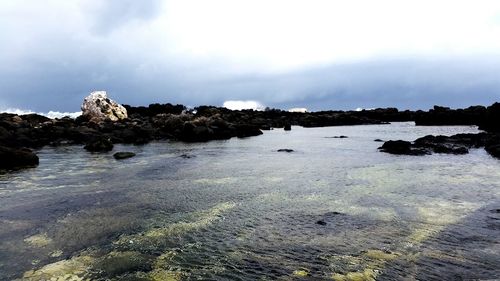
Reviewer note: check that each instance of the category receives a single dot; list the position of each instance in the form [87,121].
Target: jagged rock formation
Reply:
[97,107]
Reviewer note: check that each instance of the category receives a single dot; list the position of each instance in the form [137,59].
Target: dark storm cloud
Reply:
[54,53]
[404,83]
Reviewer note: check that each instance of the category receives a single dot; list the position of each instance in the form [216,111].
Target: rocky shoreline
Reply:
[104,123]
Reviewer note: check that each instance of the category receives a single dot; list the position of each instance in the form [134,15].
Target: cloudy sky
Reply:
[318,54]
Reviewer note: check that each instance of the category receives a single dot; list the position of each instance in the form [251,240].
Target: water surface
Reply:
[238,210]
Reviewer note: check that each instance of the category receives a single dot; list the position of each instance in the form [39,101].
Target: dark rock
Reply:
[187,156]
[321,222]
[402,147]
[123,155]
[34,119]
[439,115]
[450,149]
[287,127]
[337,137]
[378,140]
[99,145]
[334,213]
[13,158]
[244,130]
[285,150]
[491,120]
[265,127]
[493,150]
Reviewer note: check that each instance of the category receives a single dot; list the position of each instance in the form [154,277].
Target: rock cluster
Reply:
[105,123]
[456,144]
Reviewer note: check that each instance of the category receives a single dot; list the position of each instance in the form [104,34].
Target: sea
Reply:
[333,209]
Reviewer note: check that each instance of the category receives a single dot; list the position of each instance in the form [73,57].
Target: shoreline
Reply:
[21,133]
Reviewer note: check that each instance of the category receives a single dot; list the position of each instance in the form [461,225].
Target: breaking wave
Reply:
[50,114]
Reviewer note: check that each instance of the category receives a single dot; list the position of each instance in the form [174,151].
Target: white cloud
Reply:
[240,105]
[298,109]
[203,52]
[282,33]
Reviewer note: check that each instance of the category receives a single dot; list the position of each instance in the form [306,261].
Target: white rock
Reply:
[98,107]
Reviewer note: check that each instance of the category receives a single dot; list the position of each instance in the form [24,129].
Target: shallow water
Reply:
[239,210]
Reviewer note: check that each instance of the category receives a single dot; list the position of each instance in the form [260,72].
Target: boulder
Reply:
[401,147]
[13,159]
[246,130]
[287,127]
[123,155]
[97,107]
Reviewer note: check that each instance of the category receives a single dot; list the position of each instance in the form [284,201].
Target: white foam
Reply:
[50,114]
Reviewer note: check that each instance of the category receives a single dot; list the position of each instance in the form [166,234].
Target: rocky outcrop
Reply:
[402,147]
[97,107]
[456,144]
[440,115]
[491,120]
[13,158]
[109,126]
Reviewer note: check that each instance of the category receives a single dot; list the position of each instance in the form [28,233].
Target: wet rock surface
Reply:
[99,145]
[123,155]
[13,159]
[456,144]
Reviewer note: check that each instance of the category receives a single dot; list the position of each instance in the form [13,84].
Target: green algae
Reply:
[120,263]
[39,240]
[76,268]
[156,236]
[301,272]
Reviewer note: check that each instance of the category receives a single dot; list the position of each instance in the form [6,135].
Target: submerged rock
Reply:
[321,222]
[118,263]
[285,150]
[187,156]
[123,155]
[13,158]
[99,145]
[337,137]
[456,144]
[97,107]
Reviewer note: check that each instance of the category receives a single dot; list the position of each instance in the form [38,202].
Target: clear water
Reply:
[239,210]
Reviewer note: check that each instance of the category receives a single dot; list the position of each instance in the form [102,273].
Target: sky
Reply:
[316,54]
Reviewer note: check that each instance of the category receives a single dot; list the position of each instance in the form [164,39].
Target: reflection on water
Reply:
[334,209]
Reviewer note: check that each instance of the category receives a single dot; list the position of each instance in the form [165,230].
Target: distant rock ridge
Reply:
[105,122]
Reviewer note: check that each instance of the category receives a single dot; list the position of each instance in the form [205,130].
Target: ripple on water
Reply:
[237,210]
